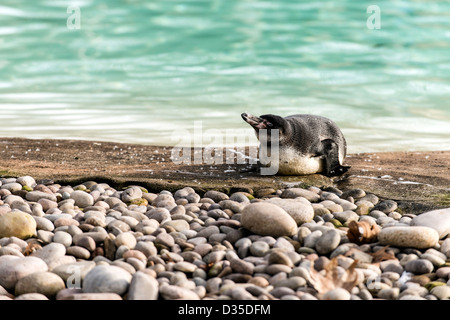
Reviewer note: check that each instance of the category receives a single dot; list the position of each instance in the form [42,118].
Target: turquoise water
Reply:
[138,71]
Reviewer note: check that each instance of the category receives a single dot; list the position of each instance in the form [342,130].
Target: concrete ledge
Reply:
[417,180]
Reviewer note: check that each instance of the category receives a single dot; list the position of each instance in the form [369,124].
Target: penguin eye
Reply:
[268,124]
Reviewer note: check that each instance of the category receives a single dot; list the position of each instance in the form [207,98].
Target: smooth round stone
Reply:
[35,196]
[434,259]
[4,209]
[354,193]
[234,206]
[391,266]
[346,216]
[216,196]
[311,239]
[17,224]
[159,214]
[143,287]
[280,292]
[386,206]
[10,251]
[208,231]
[31,296]
[50,253]
[82,199]
[183,193]
[441,292]
[279,257]
[12,187]
[45,236]
[299,192]
[184,266]
[106,279]
[388,293]
[240,197]
[131,194]
[13,268]
[277,268]
[26,181]
[85,241]
[47,204]
[439,220]
[74,273]
[89,296]
[268,219]
[291,282]
[328,242]
[126,239]
[78,252]
[445,247]
[46,283]
[170,292]
[300,211]
[241,266]
[413,237]
[259,248]
[419,266]
[165,239]
[337,294]
[62,237]
[43,224]
[443,272]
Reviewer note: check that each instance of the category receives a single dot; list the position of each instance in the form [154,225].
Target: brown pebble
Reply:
[259,281]
[65,222]
[84,241]
[134,254]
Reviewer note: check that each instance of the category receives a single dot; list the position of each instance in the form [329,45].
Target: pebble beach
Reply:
[93,242]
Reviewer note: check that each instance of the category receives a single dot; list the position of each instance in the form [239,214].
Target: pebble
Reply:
[170,292]
[327,242]
[298,192]
[439,220]
[82,198]
[216,196]
[13,268]
[143,287]
[259,248]
[46,283]
[125,239]
[413,237]
[36,196]
[17,224]
[268,219]
[337,294]
[31,296]
[441,292]
[106,279]
[419,266]
[386,206]
[12,187]
[300,211]
[182,245]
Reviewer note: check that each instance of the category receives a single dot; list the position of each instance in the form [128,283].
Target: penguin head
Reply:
[267,121]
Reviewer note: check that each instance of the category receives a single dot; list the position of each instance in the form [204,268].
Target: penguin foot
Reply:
[337,171]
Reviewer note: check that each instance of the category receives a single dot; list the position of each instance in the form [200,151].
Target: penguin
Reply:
[307,144]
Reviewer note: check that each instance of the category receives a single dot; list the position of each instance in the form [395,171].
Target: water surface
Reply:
[145,71]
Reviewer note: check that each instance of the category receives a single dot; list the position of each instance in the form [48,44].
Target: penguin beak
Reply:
[254,121]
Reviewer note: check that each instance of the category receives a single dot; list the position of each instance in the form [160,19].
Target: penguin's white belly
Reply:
[293,163]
